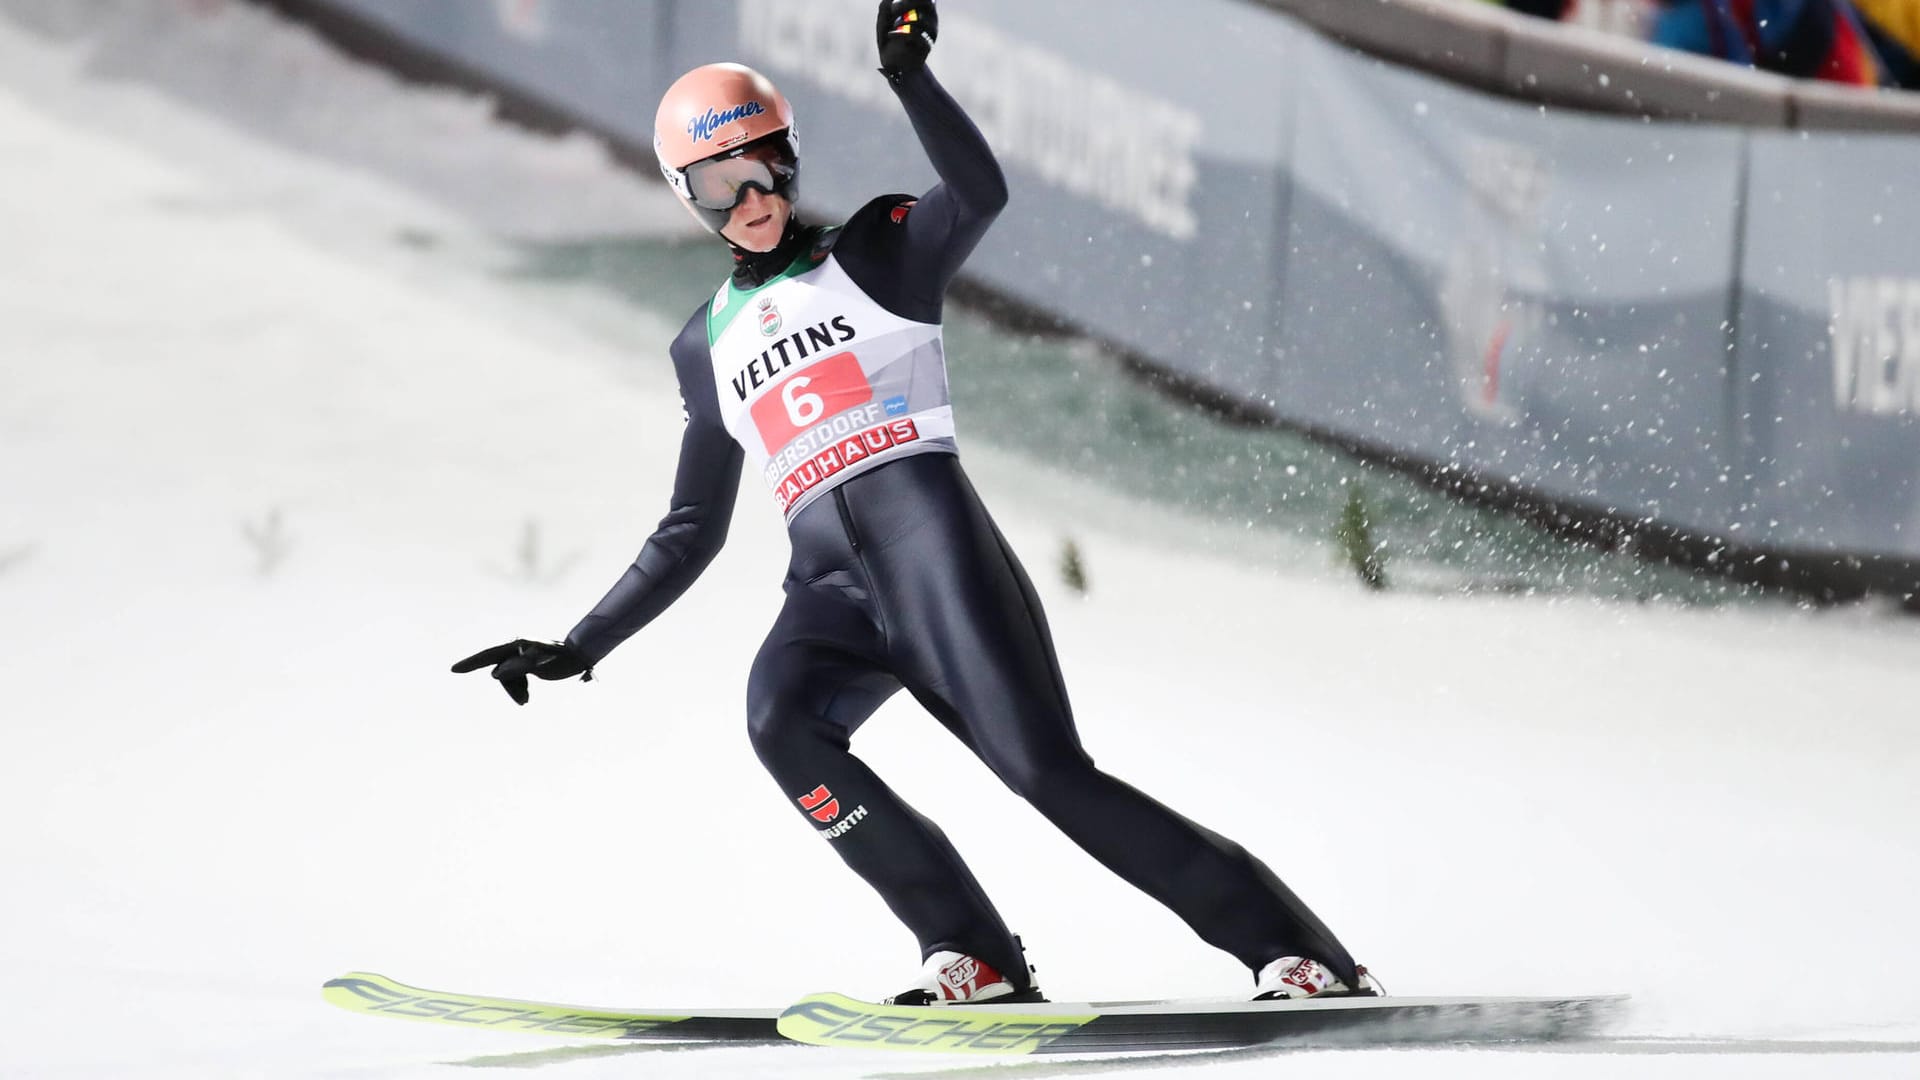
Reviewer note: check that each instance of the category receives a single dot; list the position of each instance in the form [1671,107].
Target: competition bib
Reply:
[818,383]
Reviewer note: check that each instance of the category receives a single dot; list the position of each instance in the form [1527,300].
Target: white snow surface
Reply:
[220,787]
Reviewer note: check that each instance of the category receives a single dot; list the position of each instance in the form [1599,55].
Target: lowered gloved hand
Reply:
[516,660]
[906,30]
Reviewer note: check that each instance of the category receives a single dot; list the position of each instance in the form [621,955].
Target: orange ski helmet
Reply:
[721,129]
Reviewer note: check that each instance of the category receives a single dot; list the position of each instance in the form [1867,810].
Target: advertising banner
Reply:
[1538,297]
[1828,378]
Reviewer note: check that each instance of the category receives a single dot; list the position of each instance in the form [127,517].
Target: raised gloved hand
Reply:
[516,660]
[906,31]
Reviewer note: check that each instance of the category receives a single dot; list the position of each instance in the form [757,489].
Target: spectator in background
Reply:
[1894,26]
[1810,39]
[1626,17]
[1862,42]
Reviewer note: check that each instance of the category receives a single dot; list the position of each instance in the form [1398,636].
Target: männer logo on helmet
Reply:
[701,128]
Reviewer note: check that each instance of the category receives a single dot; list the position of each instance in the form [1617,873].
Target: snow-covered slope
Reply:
[274,432]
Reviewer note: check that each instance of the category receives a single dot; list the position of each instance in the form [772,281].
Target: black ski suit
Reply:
[899,578]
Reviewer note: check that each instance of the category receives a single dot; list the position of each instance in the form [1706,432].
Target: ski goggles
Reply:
[719,183]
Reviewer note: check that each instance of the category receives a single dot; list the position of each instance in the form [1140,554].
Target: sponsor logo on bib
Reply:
[845,454]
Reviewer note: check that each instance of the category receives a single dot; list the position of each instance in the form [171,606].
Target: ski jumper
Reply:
[826,373]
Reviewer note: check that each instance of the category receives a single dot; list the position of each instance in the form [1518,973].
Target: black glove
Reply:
[906,32]
[516,660]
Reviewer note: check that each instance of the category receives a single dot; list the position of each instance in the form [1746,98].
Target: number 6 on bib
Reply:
[808,396]
[802,409]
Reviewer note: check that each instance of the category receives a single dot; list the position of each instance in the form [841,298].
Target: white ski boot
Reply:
[1294,977]
[951,978]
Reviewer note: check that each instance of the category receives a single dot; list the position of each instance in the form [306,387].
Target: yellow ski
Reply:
[377,995]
